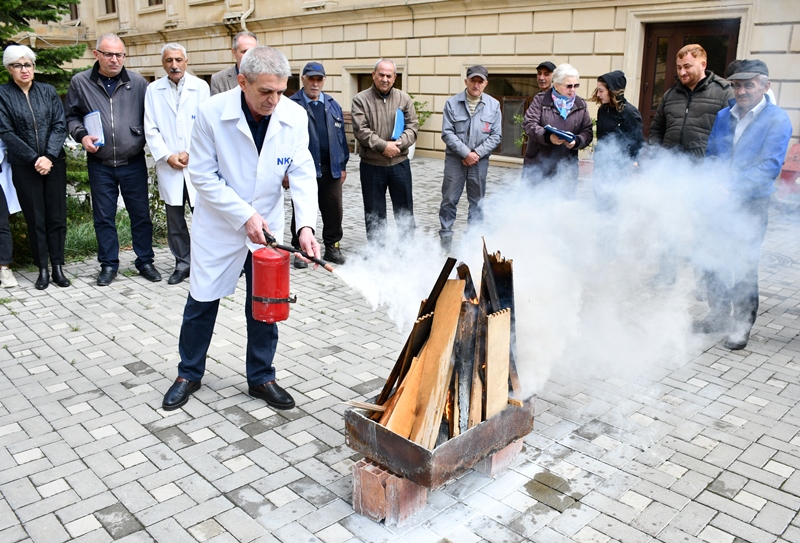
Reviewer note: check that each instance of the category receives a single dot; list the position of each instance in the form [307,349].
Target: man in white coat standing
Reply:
[244,142]
[170,109]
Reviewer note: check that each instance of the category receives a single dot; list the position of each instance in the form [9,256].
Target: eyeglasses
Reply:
[570,87]
[109,56]
[18,66]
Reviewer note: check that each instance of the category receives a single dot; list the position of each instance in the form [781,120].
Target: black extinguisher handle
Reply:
[272,242]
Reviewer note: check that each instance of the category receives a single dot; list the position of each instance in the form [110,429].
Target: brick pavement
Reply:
[705,448]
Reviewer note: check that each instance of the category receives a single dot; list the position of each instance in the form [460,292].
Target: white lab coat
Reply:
[234,182]
[6,185]
[169,130]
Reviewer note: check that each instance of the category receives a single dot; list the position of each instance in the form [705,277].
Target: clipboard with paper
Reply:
[399,124]
[94,126]
[563,134]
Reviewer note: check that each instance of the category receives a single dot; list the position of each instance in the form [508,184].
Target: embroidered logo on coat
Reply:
[284,161]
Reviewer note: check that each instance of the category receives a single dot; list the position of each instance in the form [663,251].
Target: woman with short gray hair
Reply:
[558,125]
[33,128]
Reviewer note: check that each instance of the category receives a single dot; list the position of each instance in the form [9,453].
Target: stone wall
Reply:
[434,42]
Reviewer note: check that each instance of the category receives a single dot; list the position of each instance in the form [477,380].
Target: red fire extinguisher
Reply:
[271,296]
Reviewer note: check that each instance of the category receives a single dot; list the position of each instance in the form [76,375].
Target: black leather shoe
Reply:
[44,279]
[714,323]
[177,276]
[58,276]
[737,340]
[273,394]
[178,394]
[299,264]
[107,274]
[150,273]
[333,254]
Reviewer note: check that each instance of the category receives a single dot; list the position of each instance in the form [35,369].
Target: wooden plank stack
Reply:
[457,365]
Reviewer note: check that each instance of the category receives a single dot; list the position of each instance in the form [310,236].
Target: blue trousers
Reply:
[374,182]
[107,182]
[198,327]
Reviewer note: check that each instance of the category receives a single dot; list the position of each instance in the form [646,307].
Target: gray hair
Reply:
[110,37]
[264,60]
[15,52]
[173,47]
[394,66]
[239,35]
[564,71]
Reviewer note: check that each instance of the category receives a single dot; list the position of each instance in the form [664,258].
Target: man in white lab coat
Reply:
[244,142]
[170,109]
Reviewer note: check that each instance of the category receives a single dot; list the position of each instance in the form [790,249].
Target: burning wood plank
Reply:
[437,367]
[503,274]
[464,358]
[401,420]
[498,341]
[426,308]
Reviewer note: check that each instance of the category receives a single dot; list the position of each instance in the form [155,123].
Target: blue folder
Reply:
[399,124]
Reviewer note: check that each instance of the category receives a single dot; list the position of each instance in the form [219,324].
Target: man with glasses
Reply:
[116,162]
[747,145]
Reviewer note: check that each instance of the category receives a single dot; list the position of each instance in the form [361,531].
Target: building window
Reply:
[73,12]
[111,6]
[155,2]
[515,93]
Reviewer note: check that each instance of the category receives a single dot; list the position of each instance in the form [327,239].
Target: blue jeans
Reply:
[107,182]
[374,182]
[198,327]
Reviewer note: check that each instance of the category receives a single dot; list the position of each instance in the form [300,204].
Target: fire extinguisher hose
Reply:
[272,242]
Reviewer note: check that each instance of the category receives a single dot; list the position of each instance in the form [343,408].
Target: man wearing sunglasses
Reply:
[116,161]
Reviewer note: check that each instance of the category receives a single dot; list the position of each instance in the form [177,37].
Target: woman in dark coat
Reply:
[619,138]
[549,157]
[33,128]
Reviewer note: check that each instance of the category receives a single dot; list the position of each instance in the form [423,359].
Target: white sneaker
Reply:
[7,279]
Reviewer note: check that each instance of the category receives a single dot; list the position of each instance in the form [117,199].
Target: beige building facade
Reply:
[433,42]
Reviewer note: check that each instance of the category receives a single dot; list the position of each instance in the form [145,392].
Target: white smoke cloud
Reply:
[584,295]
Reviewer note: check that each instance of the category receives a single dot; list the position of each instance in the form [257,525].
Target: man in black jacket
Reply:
[687,111]
[683,122]
[118,165]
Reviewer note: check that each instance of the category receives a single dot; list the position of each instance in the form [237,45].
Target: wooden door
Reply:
[663,41]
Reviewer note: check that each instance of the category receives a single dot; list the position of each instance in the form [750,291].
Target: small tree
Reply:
[16,17]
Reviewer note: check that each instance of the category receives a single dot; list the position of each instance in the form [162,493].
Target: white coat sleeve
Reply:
[155,141]
[205,176]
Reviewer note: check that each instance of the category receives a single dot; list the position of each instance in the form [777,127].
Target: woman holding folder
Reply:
[33,128]
[558,125]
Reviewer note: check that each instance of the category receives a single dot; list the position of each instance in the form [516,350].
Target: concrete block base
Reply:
[379,494]
[499,461]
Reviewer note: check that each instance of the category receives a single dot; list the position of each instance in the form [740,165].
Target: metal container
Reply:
[434,468]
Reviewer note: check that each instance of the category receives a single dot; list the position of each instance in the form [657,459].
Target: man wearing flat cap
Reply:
[748,144]
[471,129]
[328,145]
[544,75]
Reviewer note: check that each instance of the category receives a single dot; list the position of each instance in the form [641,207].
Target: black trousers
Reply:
[43,199]
[329,199]
[6,241]
[374,182]
[178,232]
[733,288]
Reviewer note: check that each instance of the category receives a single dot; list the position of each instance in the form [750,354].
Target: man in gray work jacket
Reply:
[471,129]
[117,166]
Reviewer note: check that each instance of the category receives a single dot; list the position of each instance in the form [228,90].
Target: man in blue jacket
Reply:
[328,146]
[748,144]
[471,130]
